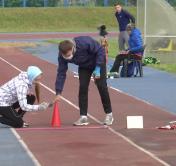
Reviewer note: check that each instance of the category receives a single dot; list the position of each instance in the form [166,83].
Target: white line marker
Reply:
[96,120]
[141,100]
[36,162]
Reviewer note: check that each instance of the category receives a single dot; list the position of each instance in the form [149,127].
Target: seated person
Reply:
[135,49]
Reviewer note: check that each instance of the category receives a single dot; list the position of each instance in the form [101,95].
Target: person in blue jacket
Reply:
[89,55]
[135,49]
[123,18]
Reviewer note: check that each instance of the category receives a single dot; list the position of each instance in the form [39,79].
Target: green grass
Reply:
[171,68]
[72,19]
[113,46]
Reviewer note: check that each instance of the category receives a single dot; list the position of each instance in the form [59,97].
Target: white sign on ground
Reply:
[134,122]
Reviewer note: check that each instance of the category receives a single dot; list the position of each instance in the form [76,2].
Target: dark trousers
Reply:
[11,117]
[84,80]
[120,58]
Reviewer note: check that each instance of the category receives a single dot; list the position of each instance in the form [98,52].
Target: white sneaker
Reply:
[82,121]
[25,125]
[108,119]
[113,75]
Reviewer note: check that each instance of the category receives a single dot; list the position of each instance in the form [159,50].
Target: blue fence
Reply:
[55,3]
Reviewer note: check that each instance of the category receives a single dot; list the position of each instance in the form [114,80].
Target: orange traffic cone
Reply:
[56,116]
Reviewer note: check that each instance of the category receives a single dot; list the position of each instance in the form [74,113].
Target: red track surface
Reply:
[15,36]
[85,147]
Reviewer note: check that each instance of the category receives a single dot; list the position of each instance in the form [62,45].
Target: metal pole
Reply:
[145,23]
[106,2]
[65,3]
[24,3]
[126,2]
[137,5]
[45,2]
[3,3]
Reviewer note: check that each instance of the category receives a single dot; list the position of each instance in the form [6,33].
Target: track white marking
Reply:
[96,120]
[36,162]
[141,100]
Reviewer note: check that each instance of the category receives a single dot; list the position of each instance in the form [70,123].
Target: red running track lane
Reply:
[26,36]
[87,147]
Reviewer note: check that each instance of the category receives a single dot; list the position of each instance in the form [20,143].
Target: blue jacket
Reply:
[124,18]
[135,42]
[89,53]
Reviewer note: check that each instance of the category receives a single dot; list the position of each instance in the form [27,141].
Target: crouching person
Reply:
[14,96]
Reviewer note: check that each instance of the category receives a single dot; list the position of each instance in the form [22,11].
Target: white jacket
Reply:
[16,90]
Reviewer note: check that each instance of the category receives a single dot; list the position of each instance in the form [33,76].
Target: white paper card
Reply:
[134,122]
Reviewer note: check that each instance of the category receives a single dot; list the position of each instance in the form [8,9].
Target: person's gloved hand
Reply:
[96,72]
[57,98]
[43,106]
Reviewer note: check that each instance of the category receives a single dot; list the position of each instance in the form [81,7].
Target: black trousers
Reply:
[120,58]
[11,117]
[84,80]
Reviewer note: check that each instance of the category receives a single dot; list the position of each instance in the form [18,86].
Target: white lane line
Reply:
[141,100]
[136,98]
[29,153]
[35,161]
[73,105]
[96,120]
